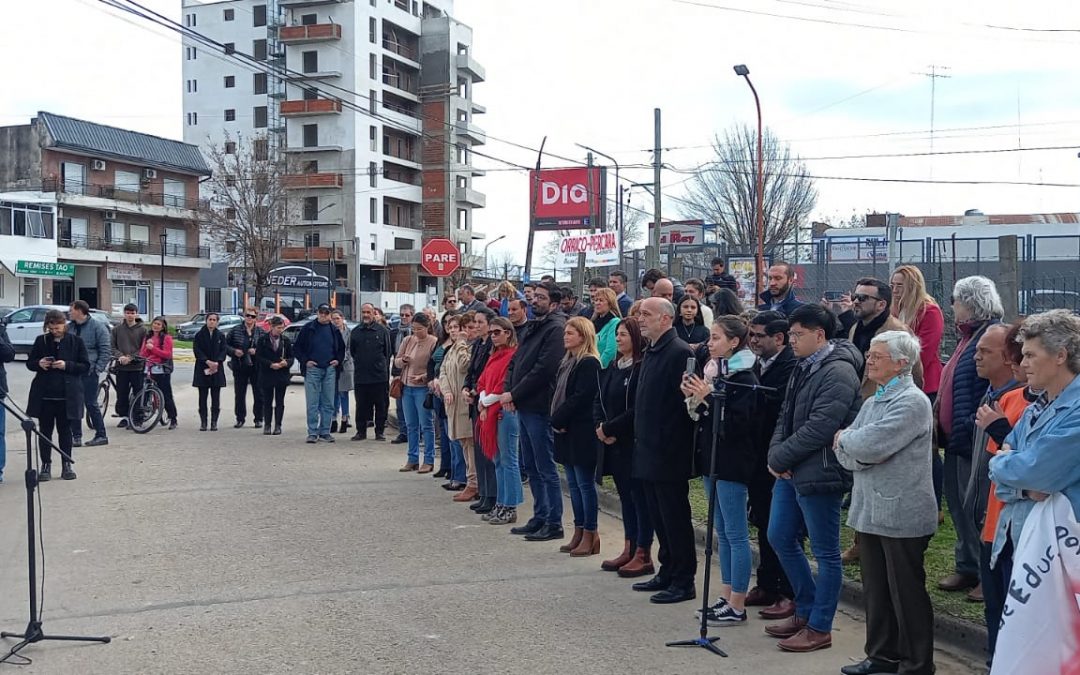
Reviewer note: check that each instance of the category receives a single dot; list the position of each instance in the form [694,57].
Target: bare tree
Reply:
[249,211]
[724,191]
[502,265]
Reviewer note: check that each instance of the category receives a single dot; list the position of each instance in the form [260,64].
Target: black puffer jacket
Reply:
[821,399]
[530,379]
[736,450]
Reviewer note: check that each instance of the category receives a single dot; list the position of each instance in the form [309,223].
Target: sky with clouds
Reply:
[836,78]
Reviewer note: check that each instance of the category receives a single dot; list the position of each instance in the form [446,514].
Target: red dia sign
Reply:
[567,199]
[440,257]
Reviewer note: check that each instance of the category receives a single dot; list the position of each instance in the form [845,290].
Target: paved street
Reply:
[232,552]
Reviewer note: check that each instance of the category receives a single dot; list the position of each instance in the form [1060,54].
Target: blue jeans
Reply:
[419,421]
[995,587]
[580,479]
[402,423]
[538,456]
[442,432]
[507,471]
[320,390]
[732,532]
[815,602]
[90,390]
[457,462]
[341,404]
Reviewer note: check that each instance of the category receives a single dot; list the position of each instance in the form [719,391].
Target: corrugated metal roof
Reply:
[1006,219]
[138,148]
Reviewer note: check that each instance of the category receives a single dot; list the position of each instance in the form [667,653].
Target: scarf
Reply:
[492,381]
[865,332]
[561,380]
[601,321]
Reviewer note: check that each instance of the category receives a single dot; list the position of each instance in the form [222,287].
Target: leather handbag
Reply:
[397,388]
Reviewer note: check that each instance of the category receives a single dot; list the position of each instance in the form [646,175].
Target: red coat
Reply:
[929,326]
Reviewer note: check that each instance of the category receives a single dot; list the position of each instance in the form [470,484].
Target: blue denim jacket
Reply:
[1045,457]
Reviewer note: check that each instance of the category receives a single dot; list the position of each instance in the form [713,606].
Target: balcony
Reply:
[405,51]
[306,3]
[312,253]
[402,82]
[474,133]
[306,108]
[471,197]
[470,65]
[312,181]
[400,174]
[113,198]
[131,251]
[300,35]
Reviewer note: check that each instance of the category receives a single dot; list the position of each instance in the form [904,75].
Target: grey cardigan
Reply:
[888,449]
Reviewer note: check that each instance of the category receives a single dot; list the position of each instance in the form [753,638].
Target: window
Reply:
[463,88]
[127,181]
[462,116]
[230,147]
[463,247]
[310,166]
[373,173]
[230,47]
[374,134]
[463,220]
[192,119]
[462,182]
[462,155]
[311,240]
[462,49]
[309,19]
[311,135]
[28,220]
[373,208]
[260,147]
[311,62]
[230,115]
[230,81]
[259,113]
[258,50]
[259,15]
[230,14]
[371,27]
[115,233]
[139,233]
[258,85]
[373,67]
[191,53]
[373,102]
[192,86]
[189,20]
[311,208]
[310,93]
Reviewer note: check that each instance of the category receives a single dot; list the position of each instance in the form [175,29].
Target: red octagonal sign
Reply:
[440,257]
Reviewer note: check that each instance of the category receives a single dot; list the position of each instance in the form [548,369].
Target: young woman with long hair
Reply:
[446,339]
[274,359]
[157,349]
[452,372]
[613,415]
[913,305]
[209,377]
[690,325]
[412,358]
[345,377]
[575,437]
[498,426]
[605,319]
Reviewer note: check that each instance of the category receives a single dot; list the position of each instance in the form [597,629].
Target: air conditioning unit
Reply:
[97,165]
[109,215]
[149,173]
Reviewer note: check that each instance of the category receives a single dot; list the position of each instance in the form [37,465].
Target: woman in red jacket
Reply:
[158,352]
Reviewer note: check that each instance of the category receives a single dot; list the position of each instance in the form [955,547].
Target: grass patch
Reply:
[182,344]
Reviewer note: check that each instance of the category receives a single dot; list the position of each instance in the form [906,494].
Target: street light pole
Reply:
[501,236]
[618,208]
[164,242]
[759,267]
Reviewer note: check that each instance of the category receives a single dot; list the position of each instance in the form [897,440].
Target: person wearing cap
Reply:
[319,348]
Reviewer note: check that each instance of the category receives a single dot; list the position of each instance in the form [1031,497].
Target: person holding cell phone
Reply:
[56,395]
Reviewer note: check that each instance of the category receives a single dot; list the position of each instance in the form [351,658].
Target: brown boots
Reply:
[640,565]
[575,540]
[466,495]
[624,557]
[590,544]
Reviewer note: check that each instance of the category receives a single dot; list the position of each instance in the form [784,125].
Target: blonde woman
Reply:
[916,308]
[575,437]
[455,366]
[605,320]
[507,292]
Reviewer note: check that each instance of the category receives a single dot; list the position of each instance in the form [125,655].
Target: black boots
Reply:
[202,421]
[46,472]
[213,419]
[266,428]
[66,472]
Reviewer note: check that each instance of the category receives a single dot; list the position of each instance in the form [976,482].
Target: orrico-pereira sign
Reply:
[567,199]
[599,249]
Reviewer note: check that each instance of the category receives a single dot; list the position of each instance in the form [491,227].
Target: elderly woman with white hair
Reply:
[976,305]
[888,449]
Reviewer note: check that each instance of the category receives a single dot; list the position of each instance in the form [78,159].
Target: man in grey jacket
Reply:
[822,397]
[95,335]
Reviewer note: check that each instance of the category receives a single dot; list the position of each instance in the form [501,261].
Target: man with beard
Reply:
[780,296]
[870,304]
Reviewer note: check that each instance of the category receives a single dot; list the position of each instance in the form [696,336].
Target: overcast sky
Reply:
[592,71]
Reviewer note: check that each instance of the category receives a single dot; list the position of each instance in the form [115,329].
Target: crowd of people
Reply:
[790,412]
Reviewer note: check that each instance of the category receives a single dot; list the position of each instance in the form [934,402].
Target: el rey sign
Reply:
[681,233]
[567,199]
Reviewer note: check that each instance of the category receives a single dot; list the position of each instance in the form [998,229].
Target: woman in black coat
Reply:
[56,395]
[210,353]
[575,435]
[613,415]
[727,366]
[274,360]
[690,323]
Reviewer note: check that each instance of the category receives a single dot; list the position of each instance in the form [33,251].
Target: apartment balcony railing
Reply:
[314,253]
[318,106]
[400,48]
[304,181]
[122,194]
[319,32]
[401,82]
[132,246]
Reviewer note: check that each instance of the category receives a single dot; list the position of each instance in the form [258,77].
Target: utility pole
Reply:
[934,75]
[578,282]
[532,211]
[652,251]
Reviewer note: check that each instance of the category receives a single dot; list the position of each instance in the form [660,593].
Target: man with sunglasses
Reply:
[870,304]
[241,342]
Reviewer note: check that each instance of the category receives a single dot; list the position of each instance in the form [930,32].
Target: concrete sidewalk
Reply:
[233,552]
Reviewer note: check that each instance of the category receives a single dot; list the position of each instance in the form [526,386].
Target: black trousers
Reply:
[242,377]
[899,616]
[164,383]
[486,485]
[128,383]
[770,574]
[273,403]
[54,415]
[370,397]
[669,509]
[215,402]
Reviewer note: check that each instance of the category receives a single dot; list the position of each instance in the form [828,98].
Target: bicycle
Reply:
[103,392]
[148,405]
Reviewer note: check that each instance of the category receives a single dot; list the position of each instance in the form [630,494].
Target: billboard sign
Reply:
[567,199]
[857,249]
[600,249]
[295,276]
[681,232]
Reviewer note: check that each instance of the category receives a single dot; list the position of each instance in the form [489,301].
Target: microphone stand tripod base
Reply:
[704,641]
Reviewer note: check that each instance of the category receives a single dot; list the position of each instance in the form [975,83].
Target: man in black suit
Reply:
[769,341]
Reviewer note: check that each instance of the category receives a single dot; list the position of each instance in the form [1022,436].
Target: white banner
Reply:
[600,249]
[1040,625]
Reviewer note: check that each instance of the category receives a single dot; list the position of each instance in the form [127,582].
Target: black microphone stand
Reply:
[34,631]
[719,396]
